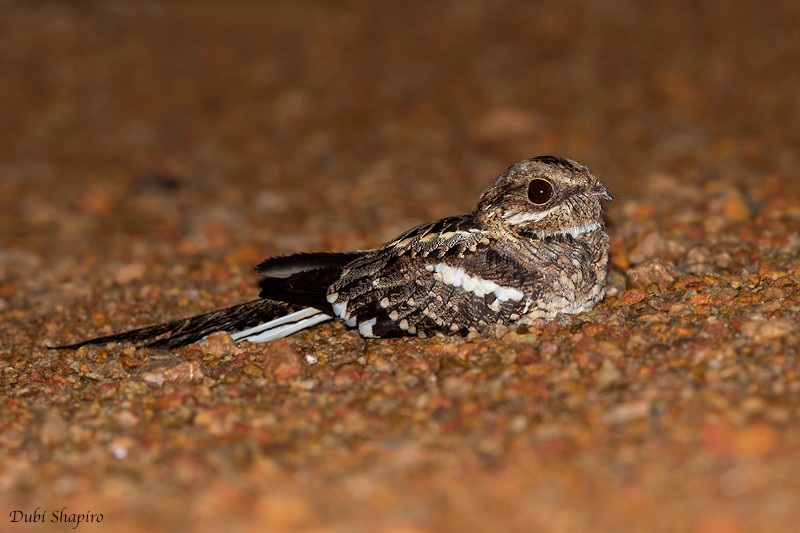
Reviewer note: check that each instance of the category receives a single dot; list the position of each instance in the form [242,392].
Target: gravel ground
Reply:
[151,154]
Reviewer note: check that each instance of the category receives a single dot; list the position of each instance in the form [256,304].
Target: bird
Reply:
[534,247]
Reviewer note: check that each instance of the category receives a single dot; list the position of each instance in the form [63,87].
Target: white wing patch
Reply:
[458,277]
[340,309]
[365,327]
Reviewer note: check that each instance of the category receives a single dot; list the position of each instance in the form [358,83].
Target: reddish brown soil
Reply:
[151,154]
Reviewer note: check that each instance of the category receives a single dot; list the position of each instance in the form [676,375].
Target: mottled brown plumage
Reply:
[535,246]
[510,262]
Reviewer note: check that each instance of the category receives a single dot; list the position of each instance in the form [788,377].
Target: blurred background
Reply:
[366,117]
[151,153]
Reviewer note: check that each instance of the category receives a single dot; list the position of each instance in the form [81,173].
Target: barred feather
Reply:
[534,246]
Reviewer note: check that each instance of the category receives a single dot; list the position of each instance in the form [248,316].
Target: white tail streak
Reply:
[283,326]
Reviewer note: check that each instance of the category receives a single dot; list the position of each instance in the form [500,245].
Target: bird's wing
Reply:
[446,276]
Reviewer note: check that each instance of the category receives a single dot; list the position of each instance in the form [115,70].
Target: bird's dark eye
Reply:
[540,191]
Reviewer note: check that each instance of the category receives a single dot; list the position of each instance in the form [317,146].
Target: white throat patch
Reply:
[575,231]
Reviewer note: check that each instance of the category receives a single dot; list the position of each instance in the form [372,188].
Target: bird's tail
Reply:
[257,321]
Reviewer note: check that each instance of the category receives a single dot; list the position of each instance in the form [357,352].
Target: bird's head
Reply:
[544,197]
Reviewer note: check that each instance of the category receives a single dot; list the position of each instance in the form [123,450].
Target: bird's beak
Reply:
[602,193]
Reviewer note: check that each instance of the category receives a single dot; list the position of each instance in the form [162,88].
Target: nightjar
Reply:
[535,246]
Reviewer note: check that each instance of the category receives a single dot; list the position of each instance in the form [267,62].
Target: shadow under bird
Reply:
[535,246]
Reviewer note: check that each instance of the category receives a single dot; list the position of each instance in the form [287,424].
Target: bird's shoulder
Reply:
[454,235]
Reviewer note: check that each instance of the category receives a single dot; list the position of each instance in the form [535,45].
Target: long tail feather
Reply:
[262,315]
[293,298]
[286,329]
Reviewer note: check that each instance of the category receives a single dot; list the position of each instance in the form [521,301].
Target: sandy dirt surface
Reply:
[152,153]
